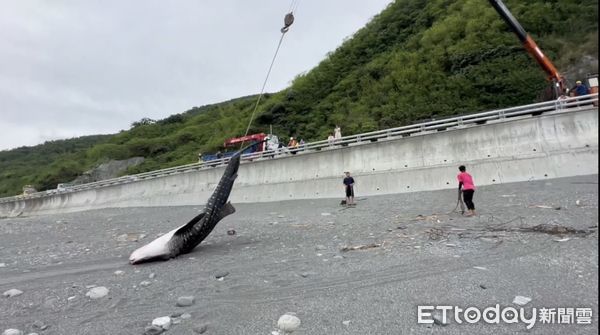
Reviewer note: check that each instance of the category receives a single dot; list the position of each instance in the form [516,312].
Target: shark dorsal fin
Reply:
[227,209]
[190,224]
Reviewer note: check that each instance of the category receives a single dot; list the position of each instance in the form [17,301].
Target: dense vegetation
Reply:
[45,165]
[415,60]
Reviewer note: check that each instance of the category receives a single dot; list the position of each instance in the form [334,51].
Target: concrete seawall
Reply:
[557,144]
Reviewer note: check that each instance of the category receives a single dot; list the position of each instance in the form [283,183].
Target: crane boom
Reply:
[529,44]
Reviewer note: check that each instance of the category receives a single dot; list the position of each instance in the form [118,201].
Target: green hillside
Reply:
[416,60]
[45,165]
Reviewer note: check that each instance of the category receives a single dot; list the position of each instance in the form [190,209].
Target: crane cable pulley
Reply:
[288,20]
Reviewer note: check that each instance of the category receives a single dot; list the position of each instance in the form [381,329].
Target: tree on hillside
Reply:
[142,122]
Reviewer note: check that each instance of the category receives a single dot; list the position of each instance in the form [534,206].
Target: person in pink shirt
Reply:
[465,183]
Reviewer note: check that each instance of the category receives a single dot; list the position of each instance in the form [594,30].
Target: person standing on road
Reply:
[337,132]
[349,186]
[465,183]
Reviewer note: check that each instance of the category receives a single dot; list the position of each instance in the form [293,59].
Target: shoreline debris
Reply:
[360,247]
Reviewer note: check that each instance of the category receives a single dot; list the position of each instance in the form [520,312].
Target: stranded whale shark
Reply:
[185,238]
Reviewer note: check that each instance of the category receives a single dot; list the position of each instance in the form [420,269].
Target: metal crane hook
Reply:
[287,21]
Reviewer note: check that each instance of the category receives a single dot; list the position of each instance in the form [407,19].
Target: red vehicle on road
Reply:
[247,140]
[235,144]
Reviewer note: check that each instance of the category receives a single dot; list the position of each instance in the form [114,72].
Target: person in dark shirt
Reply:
[349,186]
[580,89]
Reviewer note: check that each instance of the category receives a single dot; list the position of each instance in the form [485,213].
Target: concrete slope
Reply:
[552,145]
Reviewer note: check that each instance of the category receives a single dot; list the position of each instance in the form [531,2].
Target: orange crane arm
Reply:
[529,43]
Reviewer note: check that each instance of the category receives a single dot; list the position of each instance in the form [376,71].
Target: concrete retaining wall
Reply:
[558,144]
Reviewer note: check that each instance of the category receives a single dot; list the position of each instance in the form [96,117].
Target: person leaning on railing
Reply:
[561,101]
[330,140]
[293,145]
[580,89]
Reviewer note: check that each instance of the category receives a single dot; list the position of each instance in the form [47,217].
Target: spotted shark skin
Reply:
[184,239]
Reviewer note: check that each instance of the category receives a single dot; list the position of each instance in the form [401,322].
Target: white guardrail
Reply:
[571,104]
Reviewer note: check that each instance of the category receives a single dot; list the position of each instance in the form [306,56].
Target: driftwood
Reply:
[546,228]
[361,247]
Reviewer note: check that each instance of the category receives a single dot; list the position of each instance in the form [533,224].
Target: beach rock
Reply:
[185,301]
[163,322]
[200,329]
[153,330]
[288,323]
[97,292]
[438,319]
[12,332]
[221,274]
[39,325]
[13,292]
[521,300]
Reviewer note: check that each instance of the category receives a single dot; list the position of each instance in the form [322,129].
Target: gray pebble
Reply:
[39,325]
[153,330]
[164,322]
[222,274]
[438,320]
[12,332]
[97,292]
[185,301]
[13,292]
[200,329]
[152,275]
[307,274]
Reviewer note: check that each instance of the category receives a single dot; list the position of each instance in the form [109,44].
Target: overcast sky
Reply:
[80,67]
